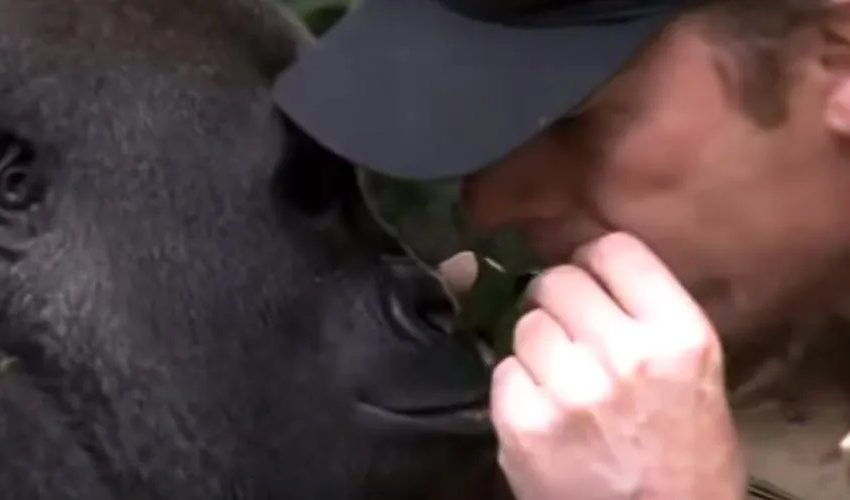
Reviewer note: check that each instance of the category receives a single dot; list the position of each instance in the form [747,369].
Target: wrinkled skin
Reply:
[753,219]
[189,305]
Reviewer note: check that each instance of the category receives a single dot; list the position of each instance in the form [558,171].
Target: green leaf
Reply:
[319,15]
[493,306]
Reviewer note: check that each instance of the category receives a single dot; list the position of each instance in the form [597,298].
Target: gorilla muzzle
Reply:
[427,378]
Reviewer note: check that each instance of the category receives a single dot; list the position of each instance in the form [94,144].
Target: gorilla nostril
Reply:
[439,315]
[14,150]
[20,184]
[16,188]
[415,300]
[432,318]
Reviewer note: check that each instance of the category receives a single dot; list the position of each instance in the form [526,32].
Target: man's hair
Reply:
[759,33]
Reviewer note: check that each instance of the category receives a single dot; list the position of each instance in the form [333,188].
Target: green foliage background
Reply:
[319,15]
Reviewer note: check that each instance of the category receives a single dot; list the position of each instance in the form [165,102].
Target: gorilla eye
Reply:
[20,184]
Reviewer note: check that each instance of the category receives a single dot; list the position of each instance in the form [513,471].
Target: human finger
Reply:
[643,285]
[517,404]
[569,372]
[584,309]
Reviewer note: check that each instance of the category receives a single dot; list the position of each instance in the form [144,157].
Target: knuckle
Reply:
[589,385]
[520,425]
[530,326]
[520,434]
[553,282]
[587,400]
[622,241]
[599,254]
[504,370]
[533,320]
[597,394]
[627,353]
[693,354]
[700,348]
[632,369]
[697,341]
[527,432]
[631,356]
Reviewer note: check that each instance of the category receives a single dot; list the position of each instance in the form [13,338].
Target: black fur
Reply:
[189,305]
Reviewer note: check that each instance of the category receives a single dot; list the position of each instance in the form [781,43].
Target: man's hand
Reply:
[616,387]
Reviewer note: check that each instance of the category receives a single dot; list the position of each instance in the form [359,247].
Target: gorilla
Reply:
[193,303]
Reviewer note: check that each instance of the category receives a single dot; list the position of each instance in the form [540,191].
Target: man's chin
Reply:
[740,327]
[731,321]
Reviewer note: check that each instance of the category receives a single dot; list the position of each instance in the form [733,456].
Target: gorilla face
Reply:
[190,305]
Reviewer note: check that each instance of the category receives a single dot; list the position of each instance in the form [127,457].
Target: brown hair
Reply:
[759,34]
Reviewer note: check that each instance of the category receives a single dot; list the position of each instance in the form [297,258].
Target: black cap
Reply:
[431,89]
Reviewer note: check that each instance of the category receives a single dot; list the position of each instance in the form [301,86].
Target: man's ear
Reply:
[835,57]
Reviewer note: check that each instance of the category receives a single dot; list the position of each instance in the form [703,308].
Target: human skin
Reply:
[616,388]
[720,224]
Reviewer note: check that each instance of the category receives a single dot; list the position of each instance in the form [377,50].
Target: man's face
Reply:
[749,217]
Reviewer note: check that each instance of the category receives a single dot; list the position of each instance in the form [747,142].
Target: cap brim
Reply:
[414,90]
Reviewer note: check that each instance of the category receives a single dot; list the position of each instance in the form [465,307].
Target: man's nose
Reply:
[485,208]
[491,204]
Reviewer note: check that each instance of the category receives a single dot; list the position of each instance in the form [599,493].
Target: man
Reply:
[683,165]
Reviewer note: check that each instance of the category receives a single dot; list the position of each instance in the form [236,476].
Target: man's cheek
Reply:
[672,238]
[652,159]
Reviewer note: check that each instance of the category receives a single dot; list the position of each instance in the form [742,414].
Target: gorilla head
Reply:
[190,305]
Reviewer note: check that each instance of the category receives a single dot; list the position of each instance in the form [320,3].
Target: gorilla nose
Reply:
[428,378]
[416,301]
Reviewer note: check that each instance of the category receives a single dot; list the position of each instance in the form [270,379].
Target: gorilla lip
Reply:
[470,420]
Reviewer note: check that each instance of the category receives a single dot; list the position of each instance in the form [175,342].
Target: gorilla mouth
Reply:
[420,377]
[471,420]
